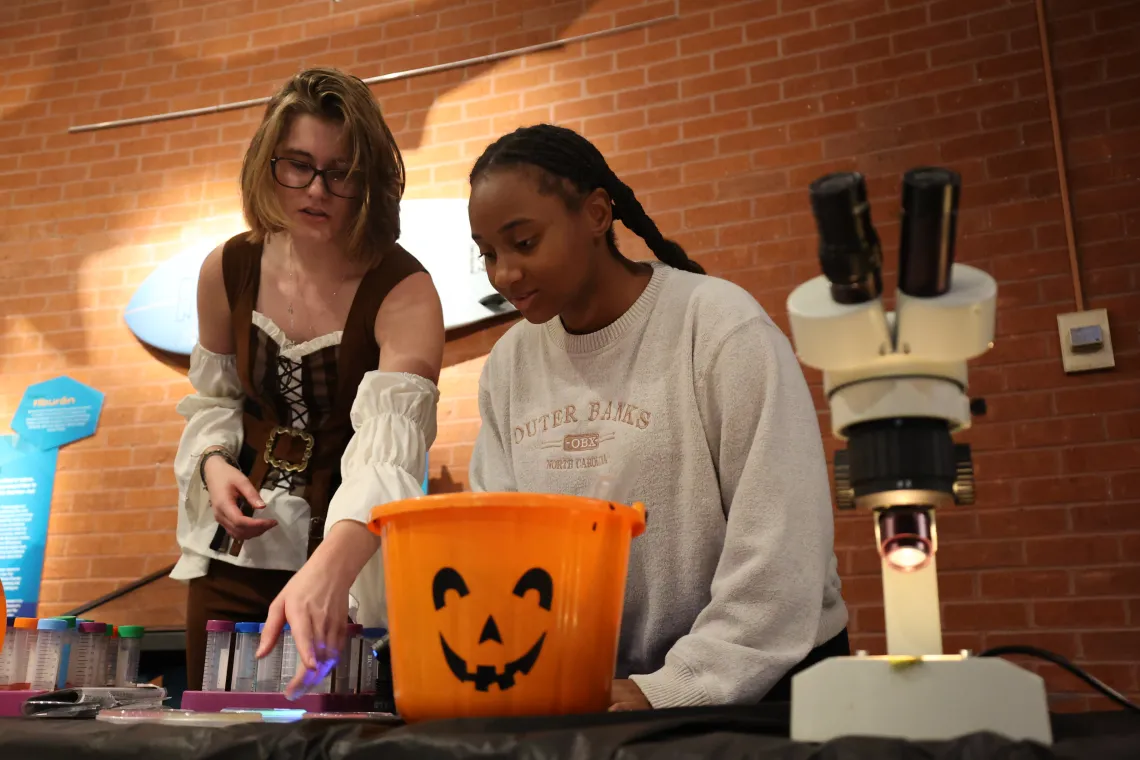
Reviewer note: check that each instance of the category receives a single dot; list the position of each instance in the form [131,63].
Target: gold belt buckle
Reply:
[271,443]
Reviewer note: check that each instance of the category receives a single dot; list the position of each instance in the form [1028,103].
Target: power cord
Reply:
[1064,664]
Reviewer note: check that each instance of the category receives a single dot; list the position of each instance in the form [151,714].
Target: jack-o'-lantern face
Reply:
[482,675]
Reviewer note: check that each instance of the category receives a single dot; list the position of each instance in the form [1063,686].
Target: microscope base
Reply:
[932,698]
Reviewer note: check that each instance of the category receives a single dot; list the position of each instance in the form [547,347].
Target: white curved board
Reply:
[163,311]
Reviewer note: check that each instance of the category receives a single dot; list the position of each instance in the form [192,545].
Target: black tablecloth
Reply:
[698,733]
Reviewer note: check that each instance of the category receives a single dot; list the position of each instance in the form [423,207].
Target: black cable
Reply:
[1064,664]
[119,592]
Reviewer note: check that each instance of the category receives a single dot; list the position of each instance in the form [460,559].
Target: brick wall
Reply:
[718,120]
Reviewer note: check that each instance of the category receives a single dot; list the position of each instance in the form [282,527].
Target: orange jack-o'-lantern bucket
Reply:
[504,603]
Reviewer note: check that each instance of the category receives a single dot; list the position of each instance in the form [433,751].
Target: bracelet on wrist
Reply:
[211,453]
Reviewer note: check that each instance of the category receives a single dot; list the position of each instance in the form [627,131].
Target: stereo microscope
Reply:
[896,387]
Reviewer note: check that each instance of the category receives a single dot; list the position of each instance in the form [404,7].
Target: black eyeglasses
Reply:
[298,175]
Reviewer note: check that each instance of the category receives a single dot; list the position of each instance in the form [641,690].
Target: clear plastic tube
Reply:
[219,645]
[268,678]
[85,658]
[7,653]
[44,667]
[347,679]
[369,668]
[245,656]
[289,659]
[130,648]
[69,638]
[24,636]
[112,655]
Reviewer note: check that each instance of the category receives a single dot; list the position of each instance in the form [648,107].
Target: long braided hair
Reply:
[563,154]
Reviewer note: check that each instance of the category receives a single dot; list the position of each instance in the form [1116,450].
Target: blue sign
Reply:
[27,475]
[57,412]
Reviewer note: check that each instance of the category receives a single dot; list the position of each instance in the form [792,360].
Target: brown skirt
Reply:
[226,592]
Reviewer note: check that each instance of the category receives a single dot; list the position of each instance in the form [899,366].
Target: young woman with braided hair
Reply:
[689,388]
[685,384]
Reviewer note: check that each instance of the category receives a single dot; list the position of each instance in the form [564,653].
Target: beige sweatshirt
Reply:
[734,581]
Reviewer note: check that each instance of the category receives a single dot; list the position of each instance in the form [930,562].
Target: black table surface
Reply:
[755,733]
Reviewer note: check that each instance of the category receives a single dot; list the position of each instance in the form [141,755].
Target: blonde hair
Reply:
[335,96]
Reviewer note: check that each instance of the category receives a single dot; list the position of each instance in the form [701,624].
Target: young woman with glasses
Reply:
[320,345]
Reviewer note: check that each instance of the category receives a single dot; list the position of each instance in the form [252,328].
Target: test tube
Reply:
[130,648]
[84,658]
[45,663]
[7,653]
[69,638]
[98,673]
[288,658]
[245,656]
[219,644]
[268,678]
[368,666]
[112,655]
[348,667]
[23,636]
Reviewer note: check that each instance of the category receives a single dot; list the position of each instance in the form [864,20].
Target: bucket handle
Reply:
[641,519]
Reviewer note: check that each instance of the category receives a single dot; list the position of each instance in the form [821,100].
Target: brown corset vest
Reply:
[308,457]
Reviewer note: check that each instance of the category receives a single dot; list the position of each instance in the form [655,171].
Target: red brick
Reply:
[717,214]
[814,83]
[1109,399]
[752,140]
[753,231]
[890,23]
[1066,551]
[1005,20]
[660,93]
[784,67]
[1105,457]
[744,12]
[983,616]
[1026,584]
[1064,644]
[837,13]
[679,68]
[1023,522]
[1111,645]
[747,97]
[855,53]
[787,111]
[1121,516]
[779,26]
[1122,66]
[1083,613]
[891,68]
[928,36]
[822,38]
[878,92]
[968,555]
[1116,581]
[1079,75]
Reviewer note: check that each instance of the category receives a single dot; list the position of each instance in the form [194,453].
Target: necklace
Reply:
[295,290]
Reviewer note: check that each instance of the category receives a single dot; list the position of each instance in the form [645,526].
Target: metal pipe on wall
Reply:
[392,77]
[1058,147]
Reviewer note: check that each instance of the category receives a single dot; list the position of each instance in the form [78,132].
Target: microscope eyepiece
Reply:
[929,226]
[849,250]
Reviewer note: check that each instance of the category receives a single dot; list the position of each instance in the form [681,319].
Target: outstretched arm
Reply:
[394,421]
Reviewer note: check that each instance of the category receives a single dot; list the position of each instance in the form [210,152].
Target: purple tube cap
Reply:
[219,626]
[93,628]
